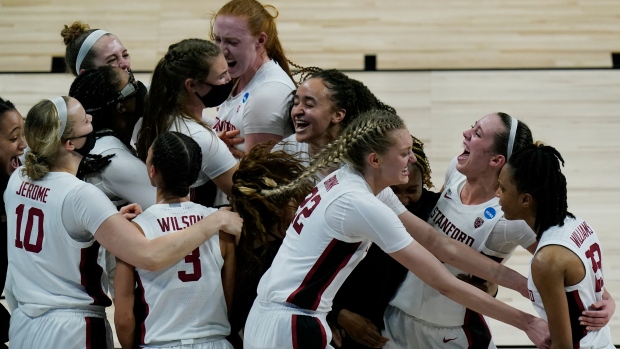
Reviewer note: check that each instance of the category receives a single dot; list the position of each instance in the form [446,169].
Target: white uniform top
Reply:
[472,225]
[125,179]
[260,107]
[330,234]
[577,236]
[216,158]
[186,300]
[290,145]
[53,260]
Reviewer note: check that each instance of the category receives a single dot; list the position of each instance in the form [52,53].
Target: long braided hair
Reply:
[261,170]
[165,102]
[422,162]
[177,158]
[370,132]
[535,169]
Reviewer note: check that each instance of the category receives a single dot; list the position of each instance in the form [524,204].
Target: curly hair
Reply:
[258,171]
[422,162]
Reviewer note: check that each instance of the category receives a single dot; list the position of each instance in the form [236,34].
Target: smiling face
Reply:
[12,141]
[316,121]
[240,48]
[394,163]
[110,51]
[410,192]
[478,142]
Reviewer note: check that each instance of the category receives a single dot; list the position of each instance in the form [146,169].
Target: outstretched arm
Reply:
[419,261]
[466,258]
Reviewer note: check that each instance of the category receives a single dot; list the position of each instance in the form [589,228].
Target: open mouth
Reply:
[405,172]
[15,162]
[231,63]
[465,153]
[300,125]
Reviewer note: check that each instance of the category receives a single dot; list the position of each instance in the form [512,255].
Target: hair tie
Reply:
[91,39]
[511,139]
[61,108]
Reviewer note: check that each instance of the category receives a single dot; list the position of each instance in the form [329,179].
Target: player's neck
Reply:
[476,192]
[166,198]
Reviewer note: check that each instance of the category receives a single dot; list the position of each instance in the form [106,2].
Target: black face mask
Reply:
[217,95]
[88,145]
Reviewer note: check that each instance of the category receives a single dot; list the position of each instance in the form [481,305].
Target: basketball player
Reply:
[566,273]
[468,212]
[183,305]
[331,232]
[54,286]
[91,48]
[361,301]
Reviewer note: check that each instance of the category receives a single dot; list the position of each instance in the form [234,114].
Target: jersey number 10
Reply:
[33,213]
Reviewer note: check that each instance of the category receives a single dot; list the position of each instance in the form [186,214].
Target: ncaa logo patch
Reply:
[245,97]
[478,222]
[489,212]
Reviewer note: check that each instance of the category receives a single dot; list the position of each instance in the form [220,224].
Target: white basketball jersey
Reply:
[231,113]
[469,224]
[50,269]
[315,259]
[186,300]
[577,236]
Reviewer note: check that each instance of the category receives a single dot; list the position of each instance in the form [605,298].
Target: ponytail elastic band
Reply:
[86,46]
[511,139]
[61,108]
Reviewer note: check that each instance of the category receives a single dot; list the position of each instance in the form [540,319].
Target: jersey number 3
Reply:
[311,202]
[33,213]
[194,259]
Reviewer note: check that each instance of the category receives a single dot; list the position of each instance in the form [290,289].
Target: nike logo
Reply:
[448,340]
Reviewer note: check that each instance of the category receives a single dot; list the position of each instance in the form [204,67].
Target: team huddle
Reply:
[327,230]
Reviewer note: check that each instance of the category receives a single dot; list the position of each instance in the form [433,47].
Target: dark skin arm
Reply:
[227,246]
[124,319]
[553,268]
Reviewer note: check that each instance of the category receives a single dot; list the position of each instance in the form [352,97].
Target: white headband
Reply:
[511,139]
[86,46]
[61,108]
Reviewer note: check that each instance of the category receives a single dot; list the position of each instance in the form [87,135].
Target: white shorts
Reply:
[405,331]
[200,343]
[61,328]
[280,326]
